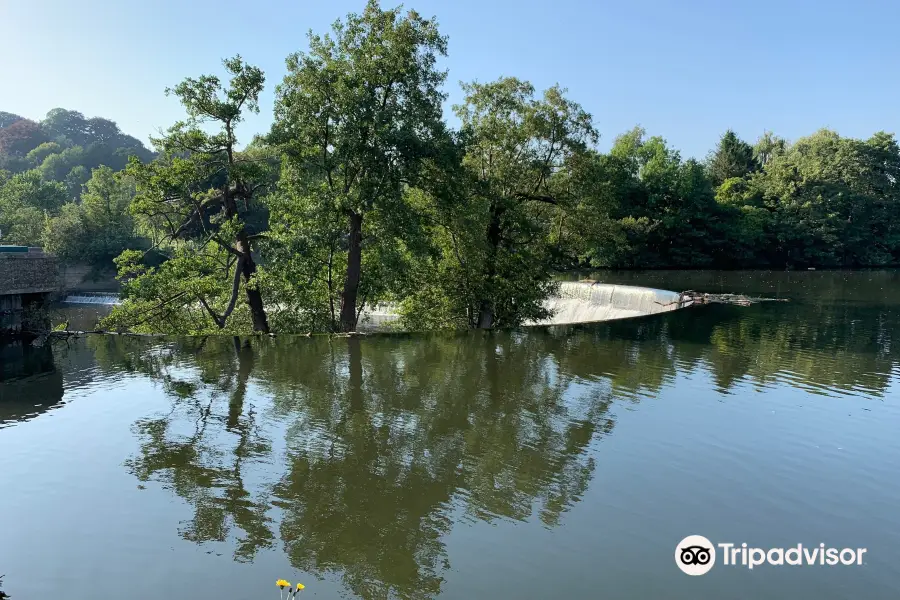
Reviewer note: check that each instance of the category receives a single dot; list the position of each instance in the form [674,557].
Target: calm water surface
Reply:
[544,463]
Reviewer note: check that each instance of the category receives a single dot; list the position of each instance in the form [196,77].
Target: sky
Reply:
[684,69]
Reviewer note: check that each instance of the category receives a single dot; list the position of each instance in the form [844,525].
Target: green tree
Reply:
[357,116]
[767,147]
[664,208]
[102,131]
[99,227]
[29,189]
[495,232]
[189,202]
[747,221]
[55,167]
[75,179]
[733,157]
[834,200]
[24,201]
[65,146]
[68,124]
[587,233]
[37,156]
[13,163]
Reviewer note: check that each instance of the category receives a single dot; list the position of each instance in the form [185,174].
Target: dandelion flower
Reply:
[300,586]
[283,583]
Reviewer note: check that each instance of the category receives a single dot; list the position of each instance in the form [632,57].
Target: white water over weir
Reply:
[93,298]
[588,302]
[576,302]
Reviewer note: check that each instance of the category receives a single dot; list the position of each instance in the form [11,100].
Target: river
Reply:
[540,463]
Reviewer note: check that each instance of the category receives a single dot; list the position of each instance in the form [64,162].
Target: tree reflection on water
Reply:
[386,443]
[357,456]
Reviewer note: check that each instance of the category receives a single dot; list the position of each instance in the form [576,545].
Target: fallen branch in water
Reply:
[691,298]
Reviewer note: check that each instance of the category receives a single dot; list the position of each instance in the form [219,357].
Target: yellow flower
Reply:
[282,583]
[300,586]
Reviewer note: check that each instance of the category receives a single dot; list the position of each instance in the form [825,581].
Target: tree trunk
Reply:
[242,245]
[254,298]
[485,315]
[486,306]
[354,267]
[246,360]
[355,382]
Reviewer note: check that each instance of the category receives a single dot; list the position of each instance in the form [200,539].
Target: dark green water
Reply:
[544,463]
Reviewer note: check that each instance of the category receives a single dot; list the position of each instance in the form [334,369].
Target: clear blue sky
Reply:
[683,69]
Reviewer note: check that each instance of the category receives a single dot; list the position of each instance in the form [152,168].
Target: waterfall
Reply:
[104,298]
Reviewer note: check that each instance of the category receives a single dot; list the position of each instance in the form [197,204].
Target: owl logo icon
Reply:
[695,555]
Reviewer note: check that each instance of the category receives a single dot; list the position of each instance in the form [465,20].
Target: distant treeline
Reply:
[362,192]
[59,188]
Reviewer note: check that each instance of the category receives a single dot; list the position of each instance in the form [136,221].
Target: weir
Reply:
[576,302]
[101,298]
[588,302]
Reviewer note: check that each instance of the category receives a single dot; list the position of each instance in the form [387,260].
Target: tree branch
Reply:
[211,312]
[235,287]
[538,198]
[220,320]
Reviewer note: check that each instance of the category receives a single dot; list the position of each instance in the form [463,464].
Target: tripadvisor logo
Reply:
[696,555]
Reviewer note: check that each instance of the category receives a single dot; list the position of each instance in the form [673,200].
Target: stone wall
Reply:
[28,273]
[10,314]
[27,279]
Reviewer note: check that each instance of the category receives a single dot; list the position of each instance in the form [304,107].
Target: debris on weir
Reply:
[692,298]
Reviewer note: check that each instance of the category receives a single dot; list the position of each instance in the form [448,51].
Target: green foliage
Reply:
[102,134]
[834,201]
[361,194]
[357,117]
[166,299]
[57,166]
[37,156]
[76,178]
[733,158]
[14,163]
[28,188]
[25,200]
[66,147]
[95,230]
[187,203]
[493,238]
[767,147]
[659,210]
